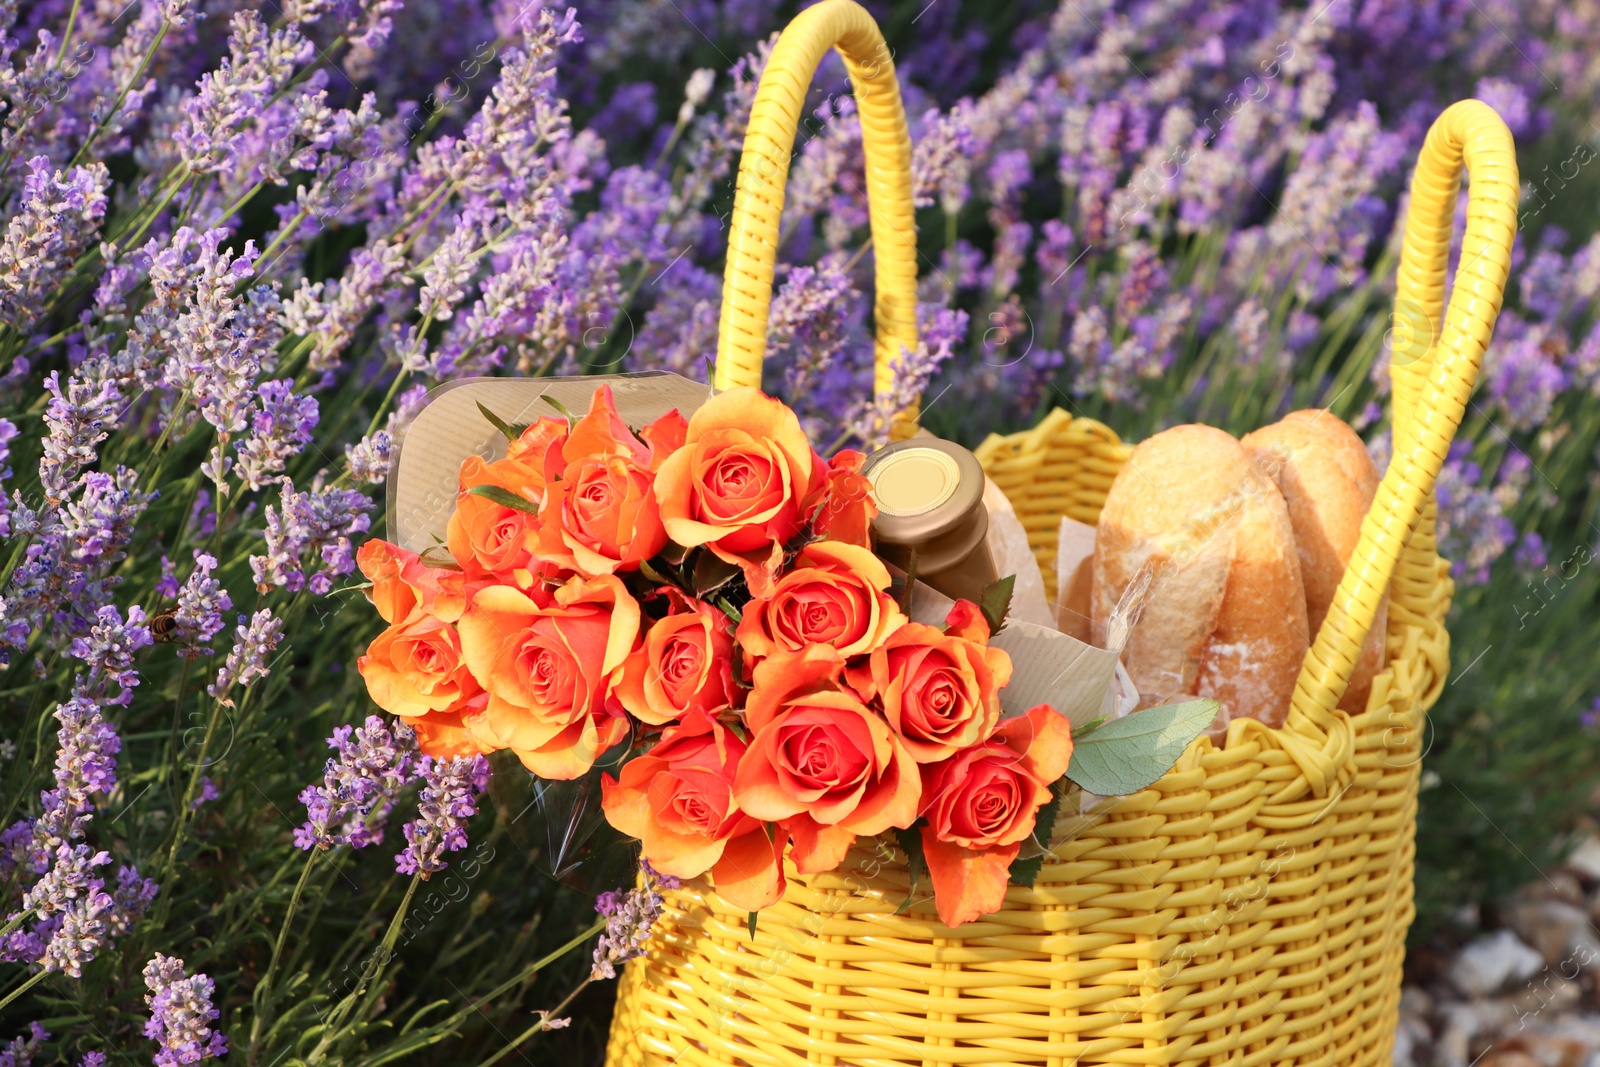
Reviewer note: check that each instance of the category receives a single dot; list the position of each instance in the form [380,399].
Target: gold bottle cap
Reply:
[914,481]
[924,487]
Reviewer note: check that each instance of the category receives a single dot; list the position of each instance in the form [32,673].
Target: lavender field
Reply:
[243,240]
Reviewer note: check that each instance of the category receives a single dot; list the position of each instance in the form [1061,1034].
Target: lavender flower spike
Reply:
[20,1051]
[629,916]
[247,661]
[359,787]
[450,792]
[180,1014]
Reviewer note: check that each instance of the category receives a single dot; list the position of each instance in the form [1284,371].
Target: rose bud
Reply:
[846,506]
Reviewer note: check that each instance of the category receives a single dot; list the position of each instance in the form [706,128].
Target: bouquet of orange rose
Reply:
[698,604]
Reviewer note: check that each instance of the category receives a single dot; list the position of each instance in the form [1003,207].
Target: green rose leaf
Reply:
[505,498]
[511,430]
[1025,870]
[1128,754]
[995,602]
[910,842]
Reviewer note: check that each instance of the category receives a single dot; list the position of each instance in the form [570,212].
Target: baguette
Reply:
[1225,613]
[1327,480]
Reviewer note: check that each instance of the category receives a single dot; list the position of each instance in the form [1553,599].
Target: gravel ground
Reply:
[1523,990]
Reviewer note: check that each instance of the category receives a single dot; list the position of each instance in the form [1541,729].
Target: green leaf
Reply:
[734,615]
[1128,754]
[512,430]
[1044,824]
[1024,871]
[1081,732]
[711,573]
[654,575]
[910,842]
[505,498]
[750,921]
[995,601]
[560,407]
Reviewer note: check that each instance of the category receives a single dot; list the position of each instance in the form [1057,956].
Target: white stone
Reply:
[1559,931]
[1490,963]
[1585,859]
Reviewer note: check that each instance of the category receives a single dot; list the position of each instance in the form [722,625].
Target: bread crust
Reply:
[1225,613]
[1327,481]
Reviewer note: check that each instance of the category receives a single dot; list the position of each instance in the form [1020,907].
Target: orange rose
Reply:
[383,564]
[402,581]
[664,436]
[980,806]
[602,516]
[738,483]
[549,663]
[684,666]
[820,761]
[846,506]
[835,595]
[445,735]
[940,690]
[677,799]
[536,454]
[414,667]
[487,538]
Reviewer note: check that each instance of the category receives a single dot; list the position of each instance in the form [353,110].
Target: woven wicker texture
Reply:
[764,169]
[1251,907]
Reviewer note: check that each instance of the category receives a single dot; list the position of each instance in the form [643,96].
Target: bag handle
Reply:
[1432,372]
[764,168]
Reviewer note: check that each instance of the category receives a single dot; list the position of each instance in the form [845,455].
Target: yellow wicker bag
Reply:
[1250,907]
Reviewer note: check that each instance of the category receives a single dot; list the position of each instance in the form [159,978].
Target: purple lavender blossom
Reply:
[359,786]
[941,161]
[52,224]
[941,328]
[8,433]
[1473,528]
[201,602]
[208,793]
[108,648]
[449,797]
[180,1014]
[279,428]
[630,915]
[368,458]
[78,418]
[20,1051]
[318,524]
[256,639]
[73,909]
[808,326]
[130,899]
[1524,376]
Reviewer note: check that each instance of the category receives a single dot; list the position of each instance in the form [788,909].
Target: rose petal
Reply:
[817,848]
[750,873]
[967,883]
